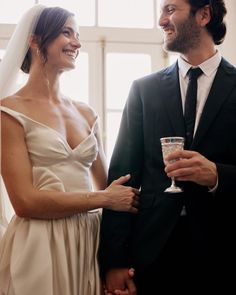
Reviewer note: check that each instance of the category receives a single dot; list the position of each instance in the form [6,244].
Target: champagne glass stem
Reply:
[173,185]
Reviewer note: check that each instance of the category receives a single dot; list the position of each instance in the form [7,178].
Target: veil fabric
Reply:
[10,66]
[16,50]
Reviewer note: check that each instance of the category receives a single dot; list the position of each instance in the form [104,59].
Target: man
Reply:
[177,242]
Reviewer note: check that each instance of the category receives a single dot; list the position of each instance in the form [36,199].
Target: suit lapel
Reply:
[222,86]
[170,91]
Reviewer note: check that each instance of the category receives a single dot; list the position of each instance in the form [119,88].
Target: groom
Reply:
[179,241]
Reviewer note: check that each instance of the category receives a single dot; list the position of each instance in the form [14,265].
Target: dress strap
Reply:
[94,128]
[16,115]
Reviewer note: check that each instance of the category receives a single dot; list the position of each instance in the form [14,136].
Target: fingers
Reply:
[122,179]
[135,197]
[180,154]
[136,191]
[120,282]
[126,197]
[135,202]
[131,272]
[184,162]
[118,292]
[194,167]
[131,287]
[133,210]
[123,292]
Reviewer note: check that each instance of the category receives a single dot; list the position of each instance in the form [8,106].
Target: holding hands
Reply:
[119,281]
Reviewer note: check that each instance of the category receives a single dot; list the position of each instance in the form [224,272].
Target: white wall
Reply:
[228,48]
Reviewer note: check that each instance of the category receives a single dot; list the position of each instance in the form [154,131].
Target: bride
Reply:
[51,147]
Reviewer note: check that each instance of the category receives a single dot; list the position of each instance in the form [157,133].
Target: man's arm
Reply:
[127,157]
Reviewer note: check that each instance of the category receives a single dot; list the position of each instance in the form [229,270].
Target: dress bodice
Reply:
[55,165]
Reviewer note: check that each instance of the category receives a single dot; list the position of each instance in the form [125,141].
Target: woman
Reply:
[50,145]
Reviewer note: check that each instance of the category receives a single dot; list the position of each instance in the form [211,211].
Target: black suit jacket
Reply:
[154,110]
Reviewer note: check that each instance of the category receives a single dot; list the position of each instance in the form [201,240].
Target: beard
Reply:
[187,38]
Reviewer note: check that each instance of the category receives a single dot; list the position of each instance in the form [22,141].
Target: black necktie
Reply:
[190,105]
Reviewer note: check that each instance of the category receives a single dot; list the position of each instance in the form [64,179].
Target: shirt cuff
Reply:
[213,190]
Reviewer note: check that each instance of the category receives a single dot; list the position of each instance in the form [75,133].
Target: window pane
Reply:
[158,11]
[83,9]
[126,13]
[113,124]
[121,70]
[172,57]
[12,10]
[2,51]
[75,83]
[22,77]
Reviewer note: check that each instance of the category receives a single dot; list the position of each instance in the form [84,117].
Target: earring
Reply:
[38,52]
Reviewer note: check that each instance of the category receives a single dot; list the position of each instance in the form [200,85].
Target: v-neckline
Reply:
[54,130]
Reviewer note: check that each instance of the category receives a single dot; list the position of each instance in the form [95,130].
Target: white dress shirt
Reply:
[209,69]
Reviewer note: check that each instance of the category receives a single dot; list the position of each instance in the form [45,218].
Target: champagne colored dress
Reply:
[57,256]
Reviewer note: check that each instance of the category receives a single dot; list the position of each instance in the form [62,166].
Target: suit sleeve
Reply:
[116,227]
[227,167]
[226,179]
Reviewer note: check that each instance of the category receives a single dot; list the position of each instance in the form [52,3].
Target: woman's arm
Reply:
[99,166]
[30,202]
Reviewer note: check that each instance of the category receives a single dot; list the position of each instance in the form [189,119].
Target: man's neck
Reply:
[198,55]
[196,60]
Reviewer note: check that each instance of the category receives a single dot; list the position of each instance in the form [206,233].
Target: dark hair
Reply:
[48,28]
[216,27]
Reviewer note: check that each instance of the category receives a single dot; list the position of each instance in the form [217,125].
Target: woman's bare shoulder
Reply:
[13,102]
[9,100]
[87,111]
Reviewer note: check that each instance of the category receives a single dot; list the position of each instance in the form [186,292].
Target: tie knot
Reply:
[194,73]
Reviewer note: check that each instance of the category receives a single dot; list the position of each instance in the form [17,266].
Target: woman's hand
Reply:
[120,197]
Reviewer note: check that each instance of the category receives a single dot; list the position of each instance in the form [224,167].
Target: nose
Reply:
[76,43]
[163,19]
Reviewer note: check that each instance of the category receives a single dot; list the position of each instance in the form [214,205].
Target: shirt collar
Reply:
[208,66]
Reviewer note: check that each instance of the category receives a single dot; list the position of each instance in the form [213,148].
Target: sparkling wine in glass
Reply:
[169,145]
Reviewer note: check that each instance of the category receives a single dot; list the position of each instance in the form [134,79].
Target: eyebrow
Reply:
[169,5]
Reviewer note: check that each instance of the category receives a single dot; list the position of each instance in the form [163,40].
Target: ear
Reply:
[33,42]
[204,15]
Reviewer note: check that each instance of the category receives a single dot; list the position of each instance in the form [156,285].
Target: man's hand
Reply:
[119,281]
[192,166]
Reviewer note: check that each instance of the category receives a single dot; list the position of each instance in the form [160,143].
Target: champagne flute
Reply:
[169,145]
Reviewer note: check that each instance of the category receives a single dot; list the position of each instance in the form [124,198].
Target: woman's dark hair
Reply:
[216,27]
[48,28]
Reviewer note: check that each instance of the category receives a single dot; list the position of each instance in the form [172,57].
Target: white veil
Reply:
[9,70]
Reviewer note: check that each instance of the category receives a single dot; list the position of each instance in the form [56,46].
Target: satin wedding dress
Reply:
[59,256]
